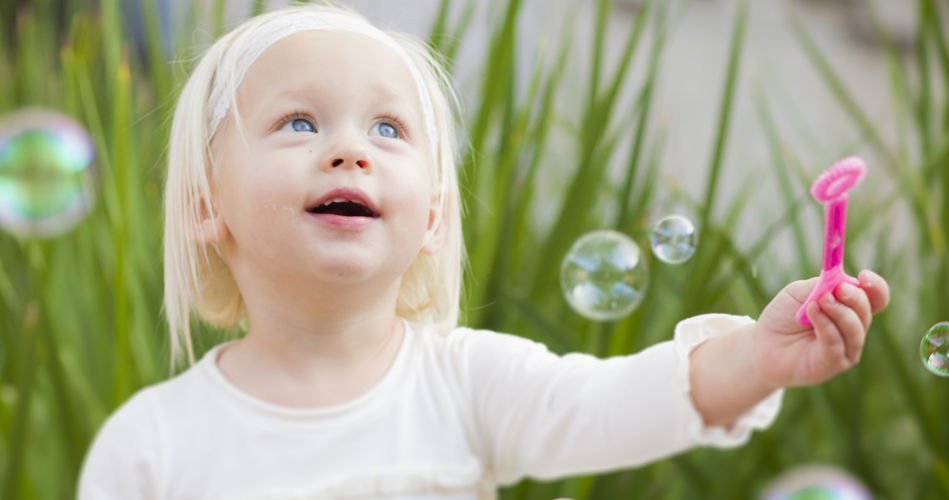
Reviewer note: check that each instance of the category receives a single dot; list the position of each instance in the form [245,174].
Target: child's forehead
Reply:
[300,64]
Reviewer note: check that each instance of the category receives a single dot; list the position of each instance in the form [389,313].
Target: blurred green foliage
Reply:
[80,319]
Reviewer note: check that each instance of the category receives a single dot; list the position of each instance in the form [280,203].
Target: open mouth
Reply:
[345,208]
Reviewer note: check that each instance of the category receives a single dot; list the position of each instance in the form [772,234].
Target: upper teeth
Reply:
[342,200]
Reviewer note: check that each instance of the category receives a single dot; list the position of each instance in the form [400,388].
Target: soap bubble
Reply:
[934,349]
[673,239]
[816,482]
[46,173]
[603,276]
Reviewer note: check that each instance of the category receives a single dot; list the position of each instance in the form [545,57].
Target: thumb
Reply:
[799,290]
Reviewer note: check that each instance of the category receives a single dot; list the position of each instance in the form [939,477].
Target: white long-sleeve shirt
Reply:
[455,416]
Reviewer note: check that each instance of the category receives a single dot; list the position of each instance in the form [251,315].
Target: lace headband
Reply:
[272,31]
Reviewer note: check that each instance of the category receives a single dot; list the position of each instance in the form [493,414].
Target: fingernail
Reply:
[845,290]
[829,299]
[867,280]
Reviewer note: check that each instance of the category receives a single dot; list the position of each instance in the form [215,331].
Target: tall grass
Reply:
[80,324]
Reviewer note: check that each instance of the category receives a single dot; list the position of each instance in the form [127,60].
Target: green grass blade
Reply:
[640,130]
[909,177]
[552,331]
[516,134]
[451,47]
[66,414]
[120,140]
[603,8]
[701,262]
[902,97]
[632,43]
[25,389]
[924,103]
[7,291]
[596,148]
[785,183]
[908,387]
[218,18]
[158,72]
[500,60]
[844,97]
[8,84]
[438,32]
[644,196]
[725,111]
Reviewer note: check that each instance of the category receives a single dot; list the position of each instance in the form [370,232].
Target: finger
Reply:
[847,323]
[876,288]
[857,300]
[829,340]
[800,289]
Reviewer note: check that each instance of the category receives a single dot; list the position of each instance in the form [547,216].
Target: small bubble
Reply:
[47,173]
[602,276]
[816,482]
[673,239]
[934,349]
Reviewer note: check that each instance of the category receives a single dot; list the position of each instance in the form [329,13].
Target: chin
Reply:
[344,267]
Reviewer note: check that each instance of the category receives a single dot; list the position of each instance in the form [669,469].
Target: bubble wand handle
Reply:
[830,188]
[835,222]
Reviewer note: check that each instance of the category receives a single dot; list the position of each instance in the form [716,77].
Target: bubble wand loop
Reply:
[830,188]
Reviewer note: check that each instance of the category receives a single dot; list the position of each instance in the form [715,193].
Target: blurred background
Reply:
[580,115]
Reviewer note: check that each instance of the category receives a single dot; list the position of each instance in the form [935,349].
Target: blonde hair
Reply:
[198,279]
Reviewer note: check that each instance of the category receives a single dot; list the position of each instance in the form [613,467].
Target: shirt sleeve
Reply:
[691,332]
[122,461]
[548,416]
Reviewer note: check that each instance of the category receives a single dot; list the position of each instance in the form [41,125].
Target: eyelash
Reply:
[396,121]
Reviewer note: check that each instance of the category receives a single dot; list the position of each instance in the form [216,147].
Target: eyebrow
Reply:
[393,100]
[303,93]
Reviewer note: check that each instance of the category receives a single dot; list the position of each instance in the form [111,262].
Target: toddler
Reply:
[312,199]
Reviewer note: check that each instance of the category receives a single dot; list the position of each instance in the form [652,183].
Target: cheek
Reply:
[268,192]
[414,204]
[421,200]
[259,200]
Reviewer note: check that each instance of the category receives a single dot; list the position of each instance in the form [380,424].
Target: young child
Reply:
[312,198]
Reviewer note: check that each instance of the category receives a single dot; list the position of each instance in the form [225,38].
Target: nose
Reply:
[342,159]
[348,152]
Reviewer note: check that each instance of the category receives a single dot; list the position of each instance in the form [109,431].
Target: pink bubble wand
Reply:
[830,188]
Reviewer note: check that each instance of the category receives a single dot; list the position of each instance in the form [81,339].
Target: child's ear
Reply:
[211,227]
[435,237]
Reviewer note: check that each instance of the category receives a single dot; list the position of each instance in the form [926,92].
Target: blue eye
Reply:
[299,125]
[386,130]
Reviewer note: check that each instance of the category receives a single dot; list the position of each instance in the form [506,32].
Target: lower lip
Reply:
[341,221]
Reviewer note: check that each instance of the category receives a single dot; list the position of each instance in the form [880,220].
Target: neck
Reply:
[321,329]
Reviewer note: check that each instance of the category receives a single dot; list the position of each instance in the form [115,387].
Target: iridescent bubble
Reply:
[673,239]
[816,482]
[934,349]
[47,174]
[602,276]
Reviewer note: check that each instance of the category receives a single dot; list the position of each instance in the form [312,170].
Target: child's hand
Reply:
[788,354]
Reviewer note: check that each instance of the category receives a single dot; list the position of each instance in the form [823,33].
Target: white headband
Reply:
[272,31]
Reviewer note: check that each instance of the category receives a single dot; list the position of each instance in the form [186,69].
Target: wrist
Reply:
[751,338]
[725,378]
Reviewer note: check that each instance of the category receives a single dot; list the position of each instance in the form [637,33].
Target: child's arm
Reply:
[731,373]
[540,415]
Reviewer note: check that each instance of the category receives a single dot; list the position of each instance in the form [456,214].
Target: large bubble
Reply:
[934,349]
[816,482]
[47,174]
[603,276]
[673,239]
